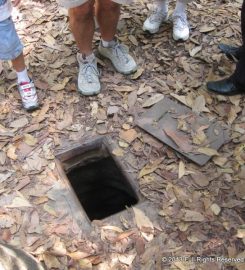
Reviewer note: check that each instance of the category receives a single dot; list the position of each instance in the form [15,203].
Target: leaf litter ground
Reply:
[200,209]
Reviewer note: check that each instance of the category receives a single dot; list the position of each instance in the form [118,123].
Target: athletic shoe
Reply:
[28,95]
[154,21]
[88,77]
[180,27]
[122,61]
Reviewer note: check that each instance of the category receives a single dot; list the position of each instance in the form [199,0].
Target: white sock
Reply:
[162,6]
[107,44]
[23,76]
[180,7]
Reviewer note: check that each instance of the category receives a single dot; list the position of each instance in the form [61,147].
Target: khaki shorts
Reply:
[76,3]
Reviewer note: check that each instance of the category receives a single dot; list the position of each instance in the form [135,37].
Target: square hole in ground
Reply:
[98,179]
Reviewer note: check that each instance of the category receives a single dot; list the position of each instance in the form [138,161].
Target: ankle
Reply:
[180,8]
[162,6]
[22,76]
[108,44]
[81,57]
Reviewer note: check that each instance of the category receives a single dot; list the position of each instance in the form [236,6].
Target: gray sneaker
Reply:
[88,77]
[122,61]
[180,27]
[154,21]
[28,95]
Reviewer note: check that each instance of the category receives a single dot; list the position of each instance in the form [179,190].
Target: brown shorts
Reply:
[76,3]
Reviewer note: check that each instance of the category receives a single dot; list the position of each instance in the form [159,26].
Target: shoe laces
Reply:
[121,53]
[89,70]
[180,21]
[156,16]
[27,90]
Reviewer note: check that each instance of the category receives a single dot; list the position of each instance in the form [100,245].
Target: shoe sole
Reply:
[225,94]
[119,71]
[150,31]
[32,108]
[88,94]
[157,29]
[180,39]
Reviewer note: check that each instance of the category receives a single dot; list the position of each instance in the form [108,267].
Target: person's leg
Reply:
[19,63]
[180,24]
[238,76]
[181,6]
[235,84]
[12,49]
[82,26]
[108,13]
[157,16]
[20,68]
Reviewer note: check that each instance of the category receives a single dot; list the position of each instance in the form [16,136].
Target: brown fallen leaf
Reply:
[200,179]
[240,189]
[50,210]
[118,152]
[124,235]
[67,121]
[60,86]
[152,100]
[85,264]
[78,255]
[19,123]
[182,141]
[137,74]
[206,29]
[133,40]
[3,157]
[199,105]
[142,221]
[190,215]
[181,169]
[181,99]
[128,135]
[51,261]
[132,98]
[42,114]
[127,258]
[11,152]
[195,50]
[124,88]
[208,151]
[215,208]
[19,201]
[29,139]
[150,167]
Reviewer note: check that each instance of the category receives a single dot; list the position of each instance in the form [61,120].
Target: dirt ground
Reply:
[200,209]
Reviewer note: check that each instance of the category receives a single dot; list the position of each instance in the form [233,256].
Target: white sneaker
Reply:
[88,77]
[28,95]
[122,61]
[154,21]
[180,27]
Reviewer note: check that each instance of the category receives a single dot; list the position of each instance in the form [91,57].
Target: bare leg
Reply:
[107,13]
[82,26]
[19,63]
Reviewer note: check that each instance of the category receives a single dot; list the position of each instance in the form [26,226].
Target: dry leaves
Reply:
[181,140]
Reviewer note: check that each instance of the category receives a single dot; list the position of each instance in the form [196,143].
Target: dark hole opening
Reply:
[101,188]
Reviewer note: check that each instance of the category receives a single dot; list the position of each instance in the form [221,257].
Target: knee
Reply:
[108,5]
[82,12]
